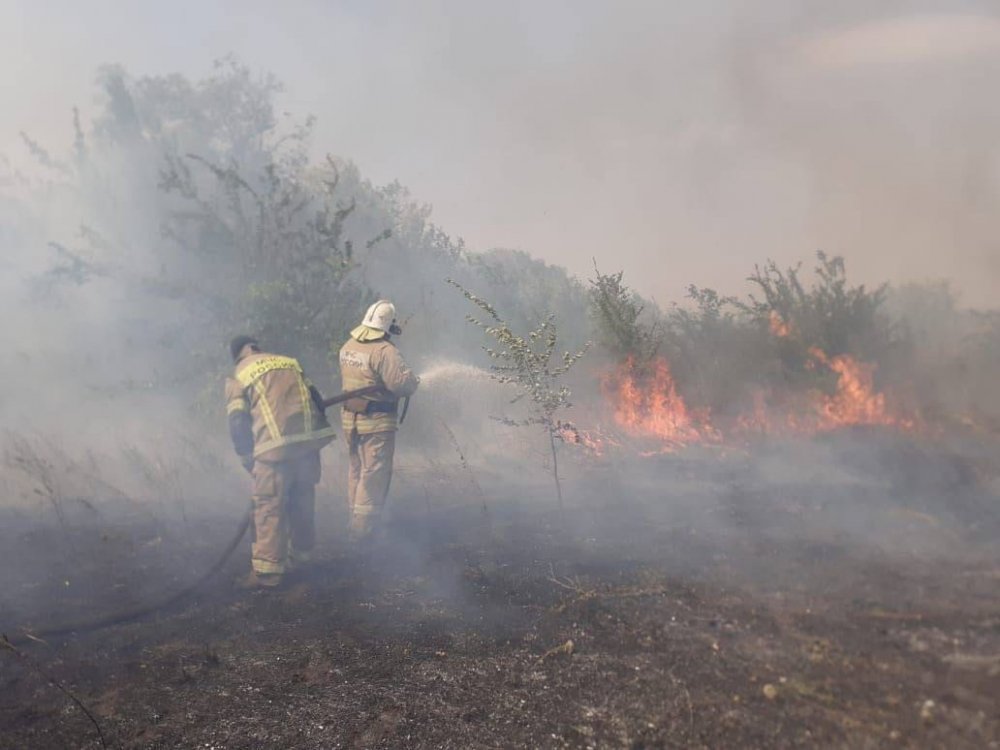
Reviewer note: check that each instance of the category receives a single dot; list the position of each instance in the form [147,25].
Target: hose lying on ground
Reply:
[115,618]
[103,621]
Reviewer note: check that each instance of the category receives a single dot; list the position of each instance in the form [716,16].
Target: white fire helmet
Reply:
[380,316]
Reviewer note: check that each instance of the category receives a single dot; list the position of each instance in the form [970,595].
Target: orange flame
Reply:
[855,402]
[590,440]
[646,404]
[778,326]
[759,420]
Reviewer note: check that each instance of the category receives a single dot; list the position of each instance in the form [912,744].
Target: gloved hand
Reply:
[247,462]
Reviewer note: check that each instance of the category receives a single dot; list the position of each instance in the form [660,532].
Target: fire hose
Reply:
[116,618]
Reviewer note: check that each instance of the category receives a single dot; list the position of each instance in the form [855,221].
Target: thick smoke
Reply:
[694,139]
[747,134]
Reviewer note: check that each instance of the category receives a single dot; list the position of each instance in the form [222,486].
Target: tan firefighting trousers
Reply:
[368,476]
[284,504]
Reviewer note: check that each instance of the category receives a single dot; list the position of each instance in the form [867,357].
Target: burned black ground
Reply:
[752,614]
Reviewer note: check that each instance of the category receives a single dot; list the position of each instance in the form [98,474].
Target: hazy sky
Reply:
[681,141]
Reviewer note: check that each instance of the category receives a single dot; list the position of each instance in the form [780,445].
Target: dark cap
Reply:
[237,344]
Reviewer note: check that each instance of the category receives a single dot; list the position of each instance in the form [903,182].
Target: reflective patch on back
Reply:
[252,372]
[354,360]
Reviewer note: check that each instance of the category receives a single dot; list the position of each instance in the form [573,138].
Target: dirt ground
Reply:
[705,604]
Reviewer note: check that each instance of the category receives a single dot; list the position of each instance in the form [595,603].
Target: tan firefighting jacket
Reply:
[285,418]
[367,363]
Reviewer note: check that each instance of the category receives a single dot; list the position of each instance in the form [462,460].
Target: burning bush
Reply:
[799,360]
[199,213]
[645,403]
[618,313]
[830,315]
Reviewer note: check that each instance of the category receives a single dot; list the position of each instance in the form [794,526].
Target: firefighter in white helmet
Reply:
[369,358]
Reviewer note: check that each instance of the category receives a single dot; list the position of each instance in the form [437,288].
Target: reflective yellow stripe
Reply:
[305,437]
[307,419]
[365,424]
[266,567]
[236,405]
[252,372]
[266,412]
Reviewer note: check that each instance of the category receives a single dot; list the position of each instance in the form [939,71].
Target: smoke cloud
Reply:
[686,141]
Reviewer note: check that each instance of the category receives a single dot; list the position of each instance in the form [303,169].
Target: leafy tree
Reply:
[281,237]
[830,314]
[716,354]
[525,362]
[617,312]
